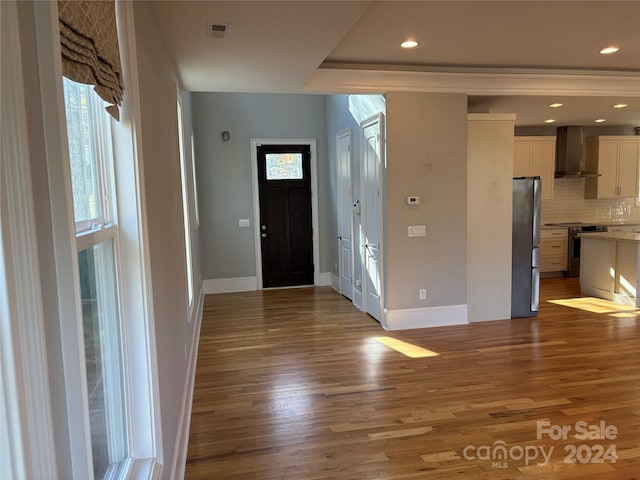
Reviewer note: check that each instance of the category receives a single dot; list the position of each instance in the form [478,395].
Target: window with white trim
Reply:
[91,162]
[186,211]
[196,210]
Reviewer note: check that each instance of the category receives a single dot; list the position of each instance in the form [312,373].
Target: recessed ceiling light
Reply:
[620,105]
[609,50]
[549,120]
[556,105]
[600,120]
[409,44]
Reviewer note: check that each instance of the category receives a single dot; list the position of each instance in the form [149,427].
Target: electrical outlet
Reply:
[423,294]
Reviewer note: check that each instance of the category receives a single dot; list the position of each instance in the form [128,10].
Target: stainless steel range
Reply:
[573,254]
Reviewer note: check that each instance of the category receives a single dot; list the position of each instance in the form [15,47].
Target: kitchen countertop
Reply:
[631,223]
[620,224]
[618,236]
[550,227]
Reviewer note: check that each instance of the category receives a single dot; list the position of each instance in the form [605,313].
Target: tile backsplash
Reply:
[569,205]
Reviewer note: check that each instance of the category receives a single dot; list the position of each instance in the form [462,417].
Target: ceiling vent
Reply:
[218,30]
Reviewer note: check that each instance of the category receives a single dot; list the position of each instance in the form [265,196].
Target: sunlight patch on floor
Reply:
[630,314]
[598,305]
[406,348]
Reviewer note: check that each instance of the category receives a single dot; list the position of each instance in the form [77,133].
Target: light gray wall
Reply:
[426,156]
[162,185]
[224,172]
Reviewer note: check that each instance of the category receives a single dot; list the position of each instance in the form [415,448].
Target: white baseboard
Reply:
[357,298]
[334,282]
[248,284]
[426,317]
[325,279]
[228,285]
[611,296]
[179,462]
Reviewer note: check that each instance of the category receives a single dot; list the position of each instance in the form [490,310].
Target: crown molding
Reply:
[482,81]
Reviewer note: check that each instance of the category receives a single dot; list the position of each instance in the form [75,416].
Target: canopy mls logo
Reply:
[499,453]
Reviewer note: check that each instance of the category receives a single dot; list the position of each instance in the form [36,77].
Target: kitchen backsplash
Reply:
[569,205]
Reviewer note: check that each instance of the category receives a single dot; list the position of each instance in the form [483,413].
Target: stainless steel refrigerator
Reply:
[525,267]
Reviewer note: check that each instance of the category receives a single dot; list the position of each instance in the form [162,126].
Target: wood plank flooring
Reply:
[293,384]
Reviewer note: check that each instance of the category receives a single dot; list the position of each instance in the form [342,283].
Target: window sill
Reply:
[145,469]
[93,237]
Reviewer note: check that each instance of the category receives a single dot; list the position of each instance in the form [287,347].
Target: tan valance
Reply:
[90,52]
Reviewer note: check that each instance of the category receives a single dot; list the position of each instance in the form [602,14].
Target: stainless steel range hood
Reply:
[571,150]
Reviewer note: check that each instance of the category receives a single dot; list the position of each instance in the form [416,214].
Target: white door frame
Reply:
[348,209]
[311,142]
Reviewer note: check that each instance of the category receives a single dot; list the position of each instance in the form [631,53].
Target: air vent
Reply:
[218,30]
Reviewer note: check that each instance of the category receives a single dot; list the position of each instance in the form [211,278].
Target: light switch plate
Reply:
[244,222]
[417,230]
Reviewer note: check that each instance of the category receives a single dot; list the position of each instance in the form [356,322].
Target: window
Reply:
[284,166]
[89,139]
[196,211]
[185,204]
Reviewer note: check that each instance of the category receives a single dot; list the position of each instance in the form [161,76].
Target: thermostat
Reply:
[413,200]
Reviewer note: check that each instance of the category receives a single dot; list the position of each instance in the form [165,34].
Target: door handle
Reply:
[263,235]
[264,227]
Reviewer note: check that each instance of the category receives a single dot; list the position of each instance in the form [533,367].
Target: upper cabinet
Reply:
[616,159]
[536,156]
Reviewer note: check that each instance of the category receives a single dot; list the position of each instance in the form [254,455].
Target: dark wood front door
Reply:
[284,181]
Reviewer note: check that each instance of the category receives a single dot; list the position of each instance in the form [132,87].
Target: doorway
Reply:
[285,212]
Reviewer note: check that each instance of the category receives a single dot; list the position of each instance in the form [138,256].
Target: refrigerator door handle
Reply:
[535,289]
[535,257]
[537,205]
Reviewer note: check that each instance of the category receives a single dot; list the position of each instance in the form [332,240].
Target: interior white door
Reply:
[371,133]
[345,217]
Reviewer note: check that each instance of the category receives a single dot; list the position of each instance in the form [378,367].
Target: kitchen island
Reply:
[609,266]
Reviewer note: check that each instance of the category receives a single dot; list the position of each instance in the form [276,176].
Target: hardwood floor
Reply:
[293,384]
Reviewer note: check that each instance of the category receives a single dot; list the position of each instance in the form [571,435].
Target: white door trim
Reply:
[311,142]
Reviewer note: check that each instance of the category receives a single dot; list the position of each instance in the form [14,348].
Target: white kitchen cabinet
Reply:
[536,156]
[554,245]
[616,159]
